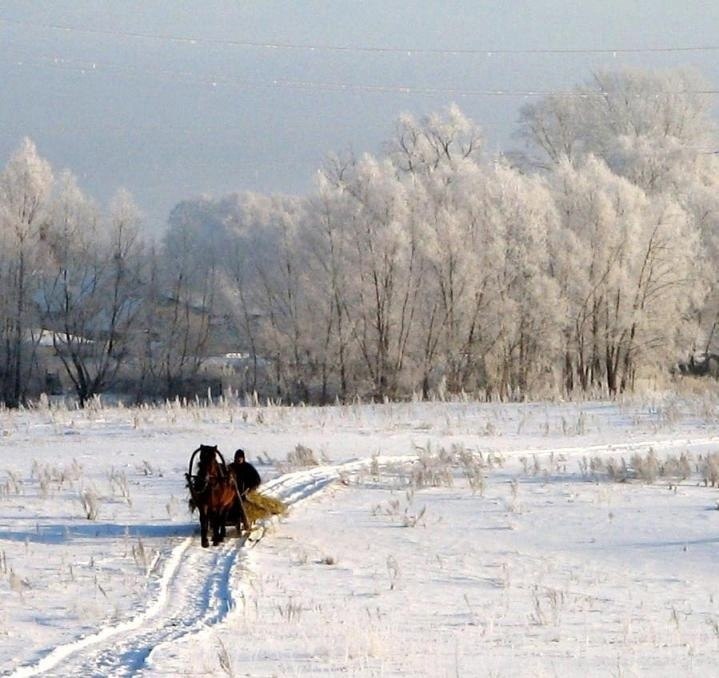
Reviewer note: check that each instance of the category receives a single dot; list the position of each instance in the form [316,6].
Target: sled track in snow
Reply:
[195,590]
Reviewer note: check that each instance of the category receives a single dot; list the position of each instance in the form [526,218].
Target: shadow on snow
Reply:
[63,533]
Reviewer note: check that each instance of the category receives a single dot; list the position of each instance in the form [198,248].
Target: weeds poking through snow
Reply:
[513,506]
[411,520]
[374,467]
[100,589]
[145,559]
[591,467]
[394,509]
[224,660]
[674,616]
[537,615]
[554,601]
[171,507]
[617,470]
[148,469]
[439,468]
[300,457]
[300,558]
[646,468]
[432,470]
[473,470]
[264,459]
[472,613]
[13,483]
[392,571]
[506,576]
[44,482]
[53,478]
[18,584]
[290,612]
[139,555]
[709,466]
[577,428]
[90,501]
[119,485]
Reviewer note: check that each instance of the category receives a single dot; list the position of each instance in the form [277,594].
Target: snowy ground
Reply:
[433,539]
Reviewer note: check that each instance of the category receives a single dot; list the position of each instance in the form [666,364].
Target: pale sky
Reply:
[171,119]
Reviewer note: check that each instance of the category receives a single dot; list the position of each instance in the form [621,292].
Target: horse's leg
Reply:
[216,536]
[220,526]
[204,520]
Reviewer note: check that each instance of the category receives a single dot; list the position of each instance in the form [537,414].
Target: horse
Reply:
[213,492]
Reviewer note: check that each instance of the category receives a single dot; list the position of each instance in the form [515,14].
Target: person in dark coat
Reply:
[246,475]
[247,479]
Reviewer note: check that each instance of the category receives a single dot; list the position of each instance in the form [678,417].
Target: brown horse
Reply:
[212,491]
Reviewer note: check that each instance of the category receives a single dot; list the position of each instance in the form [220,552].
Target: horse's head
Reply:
[209,470]
[208,465]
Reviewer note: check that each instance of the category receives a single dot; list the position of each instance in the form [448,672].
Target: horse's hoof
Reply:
[205,544]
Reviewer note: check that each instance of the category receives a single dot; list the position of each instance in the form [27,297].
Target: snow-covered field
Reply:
[442,539]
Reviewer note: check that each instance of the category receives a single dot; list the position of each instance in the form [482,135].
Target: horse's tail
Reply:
[191,502]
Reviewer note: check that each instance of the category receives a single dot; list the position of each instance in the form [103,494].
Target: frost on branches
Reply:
[586,262]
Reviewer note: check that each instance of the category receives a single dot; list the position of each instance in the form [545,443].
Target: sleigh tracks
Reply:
[194,592]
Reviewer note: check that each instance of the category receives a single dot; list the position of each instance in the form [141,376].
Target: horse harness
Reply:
[210,479]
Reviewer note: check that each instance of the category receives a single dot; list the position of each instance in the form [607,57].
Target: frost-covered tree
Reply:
[90,294]
[525,308]
[648,126]
[433,157]
[25,189]
[440,139]
[653,128]
[181,300]
[384,269]
[279,281]
[625,264]
[264,288]
[327,246]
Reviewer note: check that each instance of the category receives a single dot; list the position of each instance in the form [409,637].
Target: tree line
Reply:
[585,261]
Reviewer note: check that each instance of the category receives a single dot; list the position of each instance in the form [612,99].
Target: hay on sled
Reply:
[257,506]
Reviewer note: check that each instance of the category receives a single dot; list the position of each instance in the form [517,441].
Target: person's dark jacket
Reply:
[246,476]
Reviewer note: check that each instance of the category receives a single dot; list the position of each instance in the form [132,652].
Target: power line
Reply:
[323,47]
[91,67]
